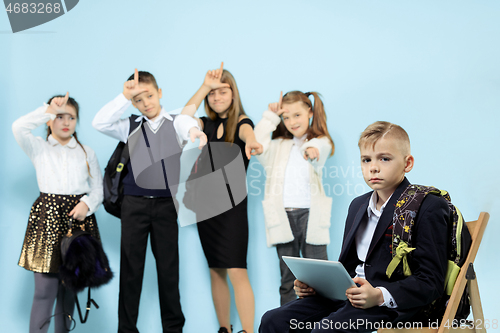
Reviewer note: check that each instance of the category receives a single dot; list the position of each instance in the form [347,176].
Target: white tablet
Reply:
[328,278]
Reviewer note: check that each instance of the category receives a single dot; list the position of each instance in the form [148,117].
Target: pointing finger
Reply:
[248,150]
[136,77]
[203,141]
[65,99]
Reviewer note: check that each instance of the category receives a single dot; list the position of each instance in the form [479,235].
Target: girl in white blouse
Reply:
[70,183]
[296,209]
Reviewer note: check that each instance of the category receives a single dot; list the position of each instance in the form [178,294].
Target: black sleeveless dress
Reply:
[224,237]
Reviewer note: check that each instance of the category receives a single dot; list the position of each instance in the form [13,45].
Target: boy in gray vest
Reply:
[155,140]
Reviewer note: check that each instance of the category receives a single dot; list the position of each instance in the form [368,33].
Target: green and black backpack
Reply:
[459,241]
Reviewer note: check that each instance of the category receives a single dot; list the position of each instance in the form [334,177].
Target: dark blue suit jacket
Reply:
[428,261]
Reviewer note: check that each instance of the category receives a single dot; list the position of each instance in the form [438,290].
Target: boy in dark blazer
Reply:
[377,301]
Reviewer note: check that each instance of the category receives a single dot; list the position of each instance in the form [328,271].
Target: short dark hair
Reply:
[145,77]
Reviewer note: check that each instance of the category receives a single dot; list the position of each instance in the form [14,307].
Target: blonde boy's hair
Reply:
[383,129]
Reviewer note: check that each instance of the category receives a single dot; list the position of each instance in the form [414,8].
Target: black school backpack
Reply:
[84,265]
[459,241]
[114,173]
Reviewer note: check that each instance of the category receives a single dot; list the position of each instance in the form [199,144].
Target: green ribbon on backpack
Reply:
[451,277]
[401,254]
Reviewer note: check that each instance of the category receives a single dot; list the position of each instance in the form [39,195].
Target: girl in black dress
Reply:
[224,237]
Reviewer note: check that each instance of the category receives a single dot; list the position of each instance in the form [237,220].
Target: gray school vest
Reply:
[155,156]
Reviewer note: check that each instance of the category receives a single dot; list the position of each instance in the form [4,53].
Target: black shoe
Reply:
[224,330]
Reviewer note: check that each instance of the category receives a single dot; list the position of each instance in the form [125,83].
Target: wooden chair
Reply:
[466,276]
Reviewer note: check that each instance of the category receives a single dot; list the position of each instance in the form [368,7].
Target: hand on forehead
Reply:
[69,112]
[145,92]
[221,89]
[294,107]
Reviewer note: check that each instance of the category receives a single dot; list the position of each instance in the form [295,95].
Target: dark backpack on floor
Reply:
[84,265]
[459,242]
[114,173]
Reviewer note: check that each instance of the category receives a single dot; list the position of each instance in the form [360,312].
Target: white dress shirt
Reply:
[364,237]
[108,121]
[60,169]
[296,186]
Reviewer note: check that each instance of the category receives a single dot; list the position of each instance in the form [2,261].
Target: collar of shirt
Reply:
[71,144]
[163,114]
[299,141]
[372,206]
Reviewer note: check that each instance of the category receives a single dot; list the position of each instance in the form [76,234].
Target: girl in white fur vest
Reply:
[296,209]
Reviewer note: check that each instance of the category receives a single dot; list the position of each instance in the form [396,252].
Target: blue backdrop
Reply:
[429,66]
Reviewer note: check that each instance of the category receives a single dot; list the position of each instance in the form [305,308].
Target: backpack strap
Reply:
[403,221]
[125,156]
[455,256]
[90,301]
[133,123]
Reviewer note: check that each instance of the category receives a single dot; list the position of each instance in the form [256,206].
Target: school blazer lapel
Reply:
[385,220]
[353,228]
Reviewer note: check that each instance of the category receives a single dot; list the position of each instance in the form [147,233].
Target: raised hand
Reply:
[253,148]
[195,133]
[131,88]
[302,289]
[277,107]
[311,153]
[58,104]
[212,78]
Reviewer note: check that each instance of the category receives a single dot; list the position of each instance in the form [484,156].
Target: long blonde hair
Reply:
[318,126]
[235,109]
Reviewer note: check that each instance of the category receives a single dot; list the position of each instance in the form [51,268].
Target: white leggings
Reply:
[48,288]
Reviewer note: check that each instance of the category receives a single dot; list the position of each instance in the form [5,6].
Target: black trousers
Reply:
[140,217]
[318,314]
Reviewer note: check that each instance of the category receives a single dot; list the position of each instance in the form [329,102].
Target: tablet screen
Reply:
[328,278]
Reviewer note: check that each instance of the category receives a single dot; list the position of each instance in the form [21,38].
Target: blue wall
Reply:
[429,66]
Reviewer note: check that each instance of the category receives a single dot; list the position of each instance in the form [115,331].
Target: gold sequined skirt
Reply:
[48,223]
